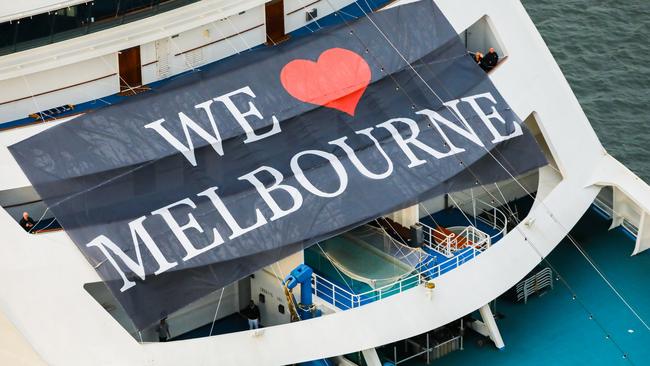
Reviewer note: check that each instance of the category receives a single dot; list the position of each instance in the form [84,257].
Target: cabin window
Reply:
[76,20]
[481,36]
[26,199]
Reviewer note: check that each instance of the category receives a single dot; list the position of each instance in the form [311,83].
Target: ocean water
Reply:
[603,48]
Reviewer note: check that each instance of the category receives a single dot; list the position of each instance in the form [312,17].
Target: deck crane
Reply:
[306,309]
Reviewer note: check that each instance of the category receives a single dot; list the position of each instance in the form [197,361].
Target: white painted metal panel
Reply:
[51,271]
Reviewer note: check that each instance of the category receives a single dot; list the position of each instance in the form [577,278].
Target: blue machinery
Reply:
[306,309]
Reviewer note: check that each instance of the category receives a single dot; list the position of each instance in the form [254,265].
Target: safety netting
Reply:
[367,254]
[173,194]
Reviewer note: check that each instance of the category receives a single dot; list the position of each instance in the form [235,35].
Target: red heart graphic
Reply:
[337,80]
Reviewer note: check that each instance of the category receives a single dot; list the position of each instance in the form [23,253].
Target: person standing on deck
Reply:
[252,313]
[163,331]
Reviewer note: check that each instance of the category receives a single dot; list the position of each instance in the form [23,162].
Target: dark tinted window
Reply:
[7,34]
[33,28]
[78,20]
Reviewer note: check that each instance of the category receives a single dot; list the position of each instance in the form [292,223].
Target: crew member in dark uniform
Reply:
[252,313]
[26,222]
[490,60]
[163,331]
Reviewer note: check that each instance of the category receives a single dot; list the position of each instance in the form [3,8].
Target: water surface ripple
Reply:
[603,48]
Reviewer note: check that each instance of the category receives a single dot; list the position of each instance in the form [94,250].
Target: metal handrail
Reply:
[626,224]
[534,283]
[478,239]
[499,219]
[343,299]
[430,241]
[455,344]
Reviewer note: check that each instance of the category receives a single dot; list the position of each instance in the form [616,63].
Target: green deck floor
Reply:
[555,330]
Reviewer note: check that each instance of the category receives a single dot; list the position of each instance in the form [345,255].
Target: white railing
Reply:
[447,244]
[344,299]
[429,352]
[609,212]
[495,218]
[604,207]
[534,283]
[443,246]
[446,347]
[476,241]
[476,238]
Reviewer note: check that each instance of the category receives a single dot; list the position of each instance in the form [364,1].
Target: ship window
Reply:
[481,36]
[7,33]
[26,199]
[134,5]
[533,125]
[77,20]
[33,32]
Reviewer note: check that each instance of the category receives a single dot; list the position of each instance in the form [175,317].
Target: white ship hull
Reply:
[49,318]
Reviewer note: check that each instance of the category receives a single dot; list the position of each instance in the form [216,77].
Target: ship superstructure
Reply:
[335,162]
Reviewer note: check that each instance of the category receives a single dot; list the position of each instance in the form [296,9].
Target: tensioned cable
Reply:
[478,181]
[39,220]
[354,275]
[214,319]
[314,19]
[184,53]
[223,36]
[152,161]
[395,243]
[507,171]
[399,248]
[117,72]
[37,105]
[52,221]
[567,285]
[142,165]
[517,181]
[593,264]
[570,237]
[488,152]
[337,270]
[596,268]
[239,34]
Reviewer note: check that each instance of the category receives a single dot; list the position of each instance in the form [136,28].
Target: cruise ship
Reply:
[307,182]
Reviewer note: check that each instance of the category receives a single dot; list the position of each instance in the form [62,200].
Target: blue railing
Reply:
[344,299]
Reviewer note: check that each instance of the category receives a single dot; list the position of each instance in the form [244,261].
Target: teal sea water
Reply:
[603,48]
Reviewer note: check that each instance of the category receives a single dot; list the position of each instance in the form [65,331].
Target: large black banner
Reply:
[175,193]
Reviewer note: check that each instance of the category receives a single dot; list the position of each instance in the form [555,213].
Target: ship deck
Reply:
[555,329]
